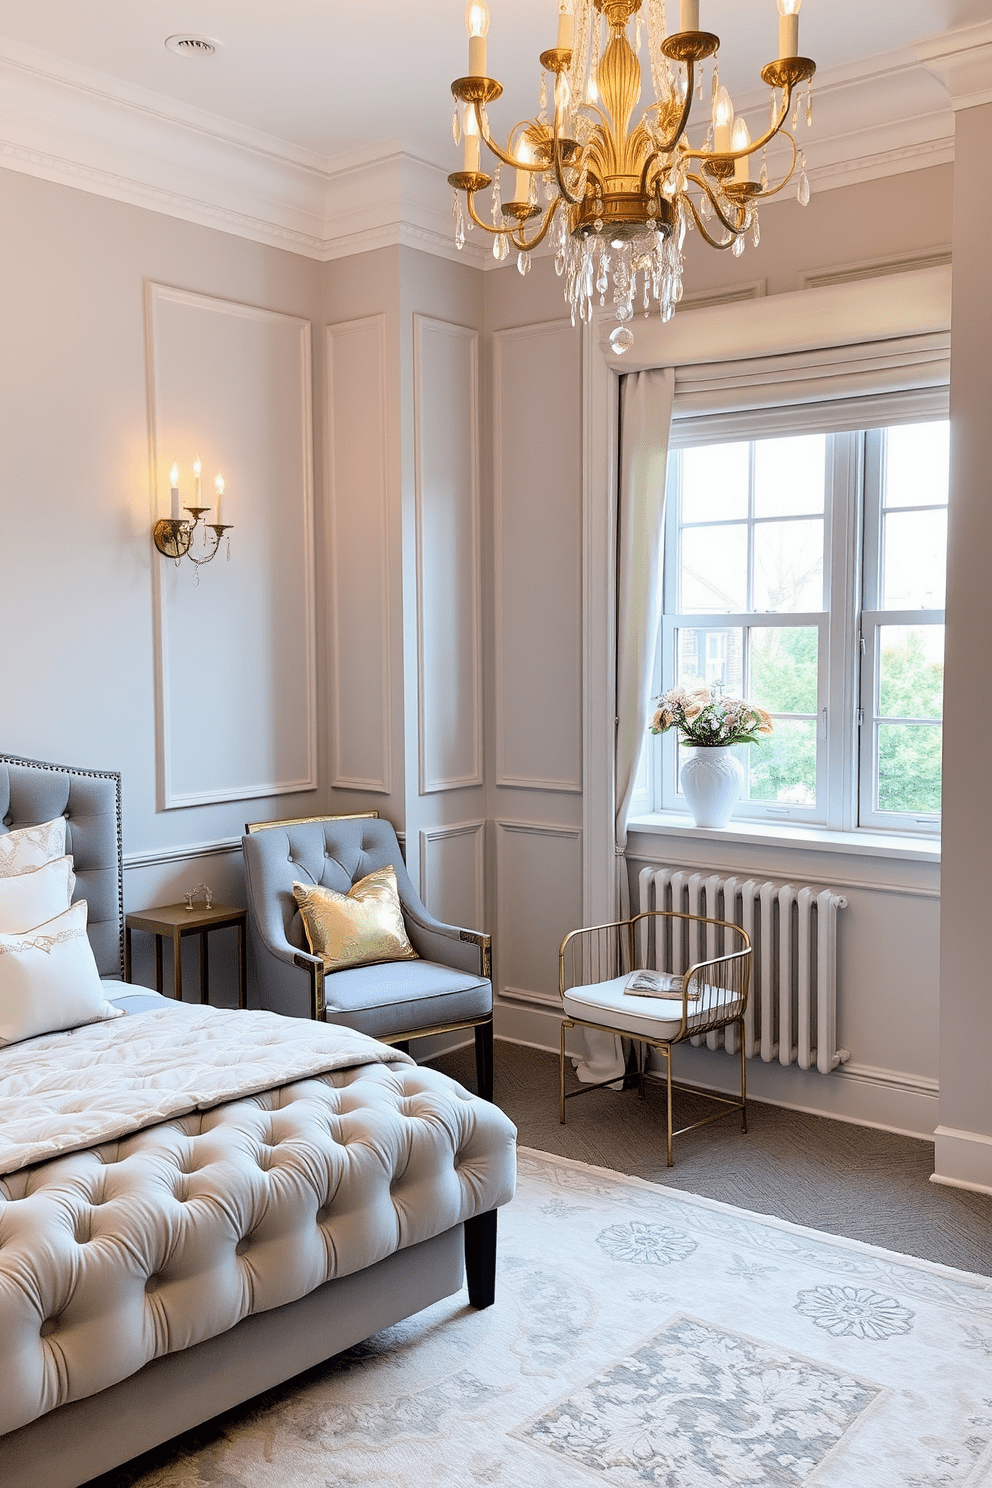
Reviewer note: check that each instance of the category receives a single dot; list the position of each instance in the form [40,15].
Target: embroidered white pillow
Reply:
[29,899]
[30,847]
[49,979]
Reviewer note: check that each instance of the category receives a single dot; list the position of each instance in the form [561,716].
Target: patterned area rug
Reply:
[643,1336]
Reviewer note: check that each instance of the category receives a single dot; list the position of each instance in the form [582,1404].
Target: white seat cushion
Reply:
[645,1017]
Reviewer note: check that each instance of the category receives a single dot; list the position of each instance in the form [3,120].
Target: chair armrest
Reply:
[314,967]
[450,945]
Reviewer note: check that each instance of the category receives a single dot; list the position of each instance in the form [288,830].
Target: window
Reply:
[807,573]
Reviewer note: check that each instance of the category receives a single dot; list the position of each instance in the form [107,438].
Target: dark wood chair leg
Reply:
[484,1060]
[480,1259]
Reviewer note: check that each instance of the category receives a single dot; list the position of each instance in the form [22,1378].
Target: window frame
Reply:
[848,650]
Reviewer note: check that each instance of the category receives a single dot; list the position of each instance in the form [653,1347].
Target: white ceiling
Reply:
[332,78]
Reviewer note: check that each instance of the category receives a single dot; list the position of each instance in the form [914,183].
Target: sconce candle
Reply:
[472,141]
[741,141]
[219,485]
[723,122]
[565,21]
[477,25]
[174,489]
[689,15]
[788,28]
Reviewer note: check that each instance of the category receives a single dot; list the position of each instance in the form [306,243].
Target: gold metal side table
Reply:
[174,922]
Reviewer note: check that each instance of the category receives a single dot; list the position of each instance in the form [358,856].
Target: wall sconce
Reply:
[173,536]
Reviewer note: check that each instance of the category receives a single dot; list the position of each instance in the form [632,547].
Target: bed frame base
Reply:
[173,1394]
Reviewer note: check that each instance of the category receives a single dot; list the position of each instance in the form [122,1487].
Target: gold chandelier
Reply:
[618,195]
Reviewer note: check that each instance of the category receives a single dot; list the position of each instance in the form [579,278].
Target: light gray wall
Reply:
[964,1145]
[889,1006]
[77,642]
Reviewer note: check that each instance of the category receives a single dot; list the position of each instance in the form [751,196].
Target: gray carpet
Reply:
[847,1180]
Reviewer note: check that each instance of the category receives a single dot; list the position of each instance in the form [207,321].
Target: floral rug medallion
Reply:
[641,1336]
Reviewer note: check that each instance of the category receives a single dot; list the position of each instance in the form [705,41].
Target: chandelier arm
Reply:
[497,232]
[670,144]
[734,230]
[491,144]
[758,144]
[557,163]
[774,190]
[524,244]
[713,242]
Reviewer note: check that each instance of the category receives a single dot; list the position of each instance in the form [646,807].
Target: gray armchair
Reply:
[448,988]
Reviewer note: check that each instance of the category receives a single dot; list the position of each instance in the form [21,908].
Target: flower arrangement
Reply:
[706,719]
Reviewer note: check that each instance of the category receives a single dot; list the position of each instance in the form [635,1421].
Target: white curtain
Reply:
[645,424]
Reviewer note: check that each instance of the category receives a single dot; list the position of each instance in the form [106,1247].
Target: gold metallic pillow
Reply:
[357,928]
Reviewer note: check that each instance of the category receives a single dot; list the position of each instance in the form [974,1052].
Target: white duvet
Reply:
[66,1091]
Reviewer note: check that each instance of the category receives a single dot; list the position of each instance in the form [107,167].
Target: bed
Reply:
[197,1204]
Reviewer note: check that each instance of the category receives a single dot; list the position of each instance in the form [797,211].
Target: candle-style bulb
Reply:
[740,140]
[197,467]
[723,119]
[477,26]
[174,475]
[472,142]
[219,484]
[788,27]
[477,18]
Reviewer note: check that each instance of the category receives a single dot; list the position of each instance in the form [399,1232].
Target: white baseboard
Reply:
[887,1099]
[962,1159]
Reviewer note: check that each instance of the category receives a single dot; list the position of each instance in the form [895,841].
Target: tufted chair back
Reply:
[332,853]
[90,801]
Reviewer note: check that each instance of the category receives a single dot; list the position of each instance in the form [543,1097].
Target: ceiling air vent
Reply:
[192,46]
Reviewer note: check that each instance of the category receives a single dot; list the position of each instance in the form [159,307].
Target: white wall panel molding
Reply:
[538,901]
[85,129]
[453,872]
[358,539]
[449,578]
[185,852]
[537,519]
[236,706]
[874,268]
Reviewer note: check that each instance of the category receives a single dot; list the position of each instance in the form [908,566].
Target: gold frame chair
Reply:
[713,996]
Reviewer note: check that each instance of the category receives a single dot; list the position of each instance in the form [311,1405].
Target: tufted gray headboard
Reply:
[90,800]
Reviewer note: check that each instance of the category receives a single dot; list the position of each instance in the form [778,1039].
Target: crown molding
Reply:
[83,129]
[962,60]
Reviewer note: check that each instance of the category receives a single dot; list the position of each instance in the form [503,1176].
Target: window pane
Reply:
[914,546]
[916,462]
[714,570]
[714,482]
[782,768]
[789,476]
[909,767]
[911,671]
[711,656]
[788,565]
[784,669]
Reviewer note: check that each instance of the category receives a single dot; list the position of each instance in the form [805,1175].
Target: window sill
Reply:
[806,838]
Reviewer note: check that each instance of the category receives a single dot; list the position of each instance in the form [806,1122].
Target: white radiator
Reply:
[792,1008]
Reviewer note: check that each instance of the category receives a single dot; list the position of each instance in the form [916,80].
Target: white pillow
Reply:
[30,847]
[49,979]
[30,899]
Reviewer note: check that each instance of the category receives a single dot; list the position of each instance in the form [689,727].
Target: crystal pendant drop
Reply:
[460,229]
[773,109]
[802,195]
[621,339]
[456,126]
[763,178]
[503,246]
[699,90]
[795,115]
[738,247]
[523,262]
[544,90]
[755,232]
[809,107]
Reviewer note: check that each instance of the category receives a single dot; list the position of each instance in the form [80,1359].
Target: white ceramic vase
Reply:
[711,783]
